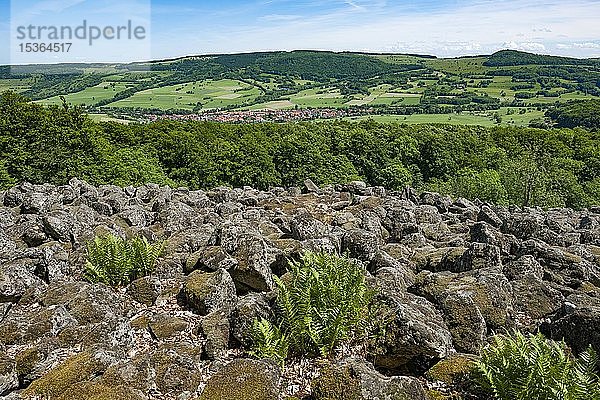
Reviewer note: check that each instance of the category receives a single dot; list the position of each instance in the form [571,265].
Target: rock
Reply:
[414,333]
[16,278]
[26,362]
[190,240]
[33,232]
[525,266]
[97,391]
[304,226]
[464,320]
[211,258]
[488,288]
[310,187]
[535,299]
[355,379]
[482,232]
[478,256]
[35,203]
[442,203]
[76,369]
[254,257]
[164,326]
[176,368]
[253,306]
[442,259]
[559,265]
[486,214]
[360,244]
[215,327]
[59,226]
[9,380]
[454,370]
[254,380]
[209,292]
[576,323]
[336,382]
[145,290]
[137,217]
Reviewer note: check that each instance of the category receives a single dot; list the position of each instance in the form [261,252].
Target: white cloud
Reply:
[482,26]
[525,46]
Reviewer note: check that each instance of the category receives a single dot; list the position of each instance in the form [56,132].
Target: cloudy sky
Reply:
[442,28]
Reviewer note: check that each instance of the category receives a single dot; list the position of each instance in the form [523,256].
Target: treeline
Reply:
[505,58]
[532,167]
[577,113]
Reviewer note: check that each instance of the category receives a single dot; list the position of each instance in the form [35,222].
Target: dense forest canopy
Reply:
[579,113]
[522,166]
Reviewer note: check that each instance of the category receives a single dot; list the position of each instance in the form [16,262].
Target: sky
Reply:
[444,28]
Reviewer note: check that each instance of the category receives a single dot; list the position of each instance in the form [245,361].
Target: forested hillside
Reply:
[522,166]
[508,88]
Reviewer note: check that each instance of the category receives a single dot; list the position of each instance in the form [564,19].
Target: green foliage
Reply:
[521,166]
[579,113]
[532,367]
[323,304]
[269,342]
[117,262]
[514,57]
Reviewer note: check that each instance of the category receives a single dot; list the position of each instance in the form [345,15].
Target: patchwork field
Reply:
[506,87]
[91,95]
[207,94]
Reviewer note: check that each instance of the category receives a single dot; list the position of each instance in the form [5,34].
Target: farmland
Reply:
[509,88]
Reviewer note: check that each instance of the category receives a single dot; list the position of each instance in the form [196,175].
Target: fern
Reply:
[269,342]
[117,262]
[324,302]
[519,367]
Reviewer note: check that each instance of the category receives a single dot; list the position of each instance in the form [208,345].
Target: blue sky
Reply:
[443,28]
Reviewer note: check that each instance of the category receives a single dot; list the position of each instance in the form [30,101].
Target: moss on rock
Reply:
[26,361]
[164,326]
[452,370]
[243,379]
[98,391]
[57,381]
[336,383]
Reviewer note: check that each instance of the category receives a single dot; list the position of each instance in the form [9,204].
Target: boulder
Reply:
[414,334]
[576,323]
[488,289]
[208,292]
[76,369]
[145,290]
[215,328]
[165,326]
[9,380]
[243,379]
[210,258]
[360,244]
[304,226]
[253,306]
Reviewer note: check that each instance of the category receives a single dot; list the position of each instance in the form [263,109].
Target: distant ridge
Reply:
[497,59]
[504,58]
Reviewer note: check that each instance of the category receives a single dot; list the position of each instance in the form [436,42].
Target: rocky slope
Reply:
[449,275]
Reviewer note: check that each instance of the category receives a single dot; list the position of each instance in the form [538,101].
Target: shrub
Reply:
[117,262]
[324,302]
[532,367]
[269,342]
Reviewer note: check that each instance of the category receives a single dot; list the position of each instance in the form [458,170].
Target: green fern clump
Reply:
[534,368]
[269,342]
[117,262]
[323,304]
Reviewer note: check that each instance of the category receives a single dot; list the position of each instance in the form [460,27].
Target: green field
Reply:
[210,94]
[468,89]
[452,119]
[91,95]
